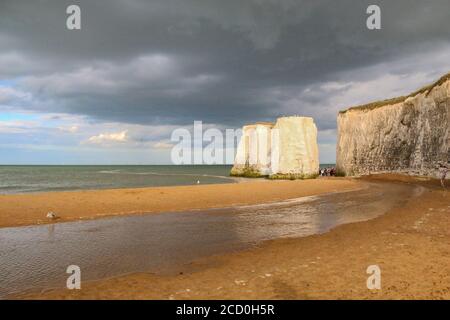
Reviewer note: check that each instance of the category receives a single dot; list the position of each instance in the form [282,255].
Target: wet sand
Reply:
[36,257]
[410,243]
[29,209]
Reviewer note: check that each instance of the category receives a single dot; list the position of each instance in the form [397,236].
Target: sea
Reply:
[40,178]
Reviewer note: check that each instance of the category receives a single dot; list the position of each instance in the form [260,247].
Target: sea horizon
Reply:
[16,179]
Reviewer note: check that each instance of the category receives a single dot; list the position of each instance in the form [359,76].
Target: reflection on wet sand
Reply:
[37,256]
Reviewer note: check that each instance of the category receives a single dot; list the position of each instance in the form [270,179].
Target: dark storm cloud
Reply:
[224,62]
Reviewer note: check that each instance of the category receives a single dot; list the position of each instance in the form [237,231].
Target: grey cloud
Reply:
[224,62]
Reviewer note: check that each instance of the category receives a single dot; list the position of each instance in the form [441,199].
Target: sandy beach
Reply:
[30,209]
[410,244]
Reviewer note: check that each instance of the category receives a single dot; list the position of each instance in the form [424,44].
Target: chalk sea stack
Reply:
[286,149]
[407,134]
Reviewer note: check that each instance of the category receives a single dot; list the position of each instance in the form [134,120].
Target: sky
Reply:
[114,91]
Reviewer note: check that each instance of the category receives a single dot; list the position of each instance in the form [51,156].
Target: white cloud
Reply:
[70,129]
[19,126]
[109,138]
[162,145]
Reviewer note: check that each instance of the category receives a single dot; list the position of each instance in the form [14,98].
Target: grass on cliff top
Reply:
[382,103]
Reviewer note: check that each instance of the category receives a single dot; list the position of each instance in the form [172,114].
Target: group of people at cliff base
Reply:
[443,168]
[327,172]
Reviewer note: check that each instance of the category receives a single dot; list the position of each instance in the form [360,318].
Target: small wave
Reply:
[279,203]
[14,187]
[165,174]
[109,171]
[17,189]
[9,187]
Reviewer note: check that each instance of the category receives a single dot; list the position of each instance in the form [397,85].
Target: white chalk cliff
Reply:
[406,135]
[286,149]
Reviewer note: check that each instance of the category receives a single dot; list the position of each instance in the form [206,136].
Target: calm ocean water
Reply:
[24,179]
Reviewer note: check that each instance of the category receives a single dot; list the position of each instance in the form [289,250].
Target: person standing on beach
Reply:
[443,169]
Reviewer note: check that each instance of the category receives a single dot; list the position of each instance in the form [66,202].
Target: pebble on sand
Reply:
[51,215]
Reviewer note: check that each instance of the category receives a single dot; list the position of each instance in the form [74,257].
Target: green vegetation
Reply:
[340,174]
[293,176]
[246,172]
[382,103]
[251,172]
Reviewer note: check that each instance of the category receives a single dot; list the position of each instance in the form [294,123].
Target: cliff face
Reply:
[253,157]
[286,149]
[296,151]
[409,135]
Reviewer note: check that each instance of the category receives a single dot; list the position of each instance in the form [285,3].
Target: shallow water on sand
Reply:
[38,256]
